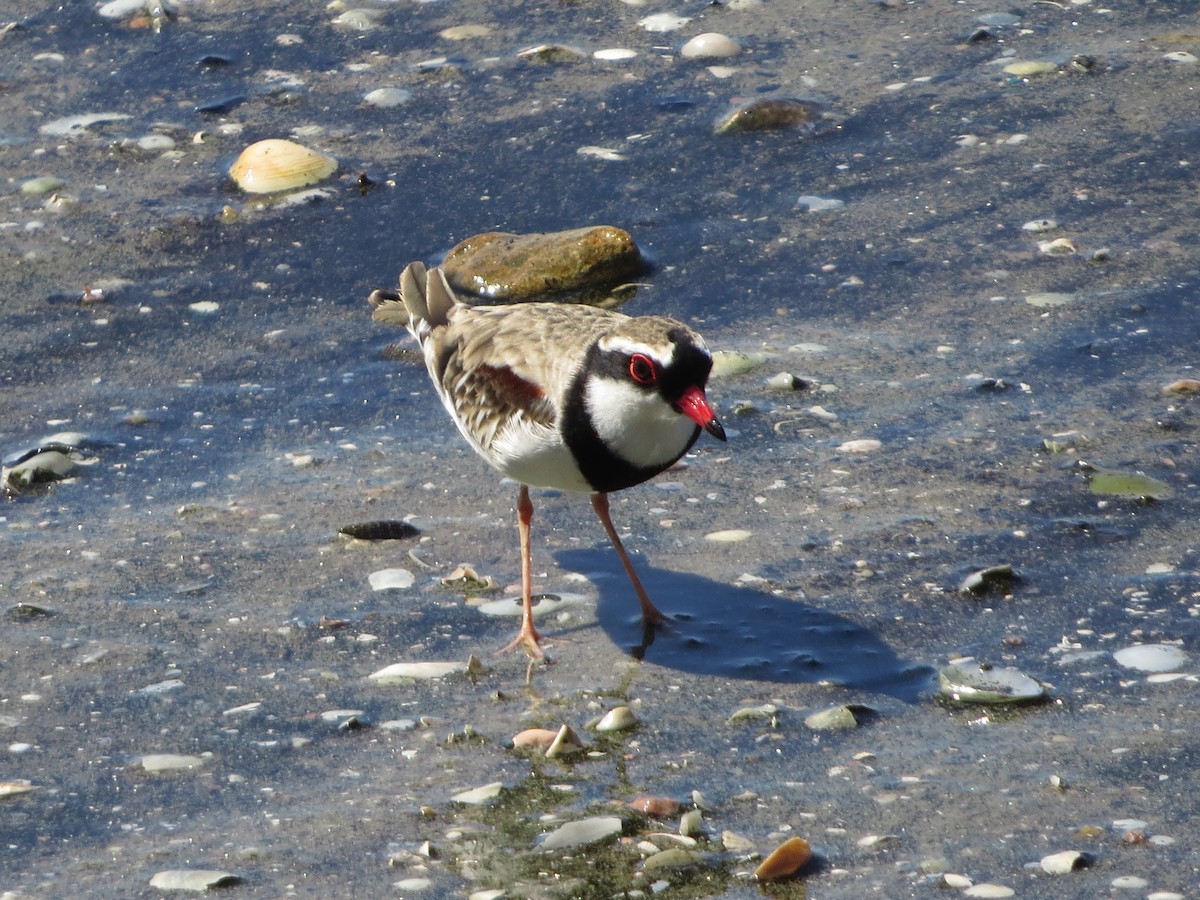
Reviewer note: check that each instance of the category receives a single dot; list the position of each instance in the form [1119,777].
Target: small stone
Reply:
[509,267]
[835,718]
[772,114]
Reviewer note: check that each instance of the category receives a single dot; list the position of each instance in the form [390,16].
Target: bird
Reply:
[562,396]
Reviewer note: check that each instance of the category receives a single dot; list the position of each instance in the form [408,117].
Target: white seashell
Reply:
[1151,657]
[613,54]
[663,22]
[204,306]
[359,19]
[71,125]
[864,445]
[480,795]
[168,762]
[619,718]
[276,165]
[386,579]
[729,536]
[710,45]
[119,9]
[402,671]
[386,98]
[580,834]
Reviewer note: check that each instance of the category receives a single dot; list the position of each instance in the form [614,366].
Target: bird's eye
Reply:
[641,369]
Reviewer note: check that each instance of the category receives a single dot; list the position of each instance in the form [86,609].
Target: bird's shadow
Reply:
[740,632]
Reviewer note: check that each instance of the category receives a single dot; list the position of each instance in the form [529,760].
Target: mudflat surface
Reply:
[185,592]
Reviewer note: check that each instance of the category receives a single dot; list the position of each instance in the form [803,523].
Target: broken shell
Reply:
[565,742]
[969,681]
[619,718]
[277,165]
[787,859]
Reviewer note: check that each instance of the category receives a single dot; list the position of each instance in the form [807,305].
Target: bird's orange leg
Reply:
[650,612]
[528,637]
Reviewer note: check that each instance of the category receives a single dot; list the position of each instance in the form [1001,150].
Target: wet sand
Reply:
[189,593]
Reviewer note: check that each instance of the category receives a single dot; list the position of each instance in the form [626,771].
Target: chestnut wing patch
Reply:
[491,397]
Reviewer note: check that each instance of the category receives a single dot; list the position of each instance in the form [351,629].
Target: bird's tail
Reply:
[423,302]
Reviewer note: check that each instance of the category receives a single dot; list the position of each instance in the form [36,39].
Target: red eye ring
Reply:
[642,370]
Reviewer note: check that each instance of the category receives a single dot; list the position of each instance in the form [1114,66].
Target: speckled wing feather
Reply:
[491,365]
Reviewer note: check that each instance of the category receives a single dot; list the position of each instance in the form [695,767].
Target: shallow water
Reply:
[195,550]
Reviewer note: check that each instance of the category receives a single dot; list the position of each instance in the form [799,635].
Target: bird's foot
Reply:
[528,639]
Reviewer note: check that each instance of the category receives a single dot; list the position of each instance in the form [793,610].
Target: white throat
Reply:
[639,427]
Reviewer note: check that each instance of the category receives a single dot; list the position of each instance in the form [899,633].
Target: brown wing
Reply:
[510,366]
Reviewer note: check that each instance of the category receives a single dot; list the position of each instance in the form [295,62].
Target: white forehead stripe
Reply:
[619,344]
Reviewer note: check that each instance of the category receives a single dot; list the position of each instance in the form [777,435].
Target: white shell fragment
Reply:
[204,306]
[544,605]
[583,833]
[619,718]
[862,445]
[479,796]
[614,54]
[1151,657]
[390,579]
[407,671]
[196,880]
[1064,862]
[386,98]
[71,125]
[15,787]
[968,681]
[275,165]
[710,45]
[660,22]
[729,536]
[170,762]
